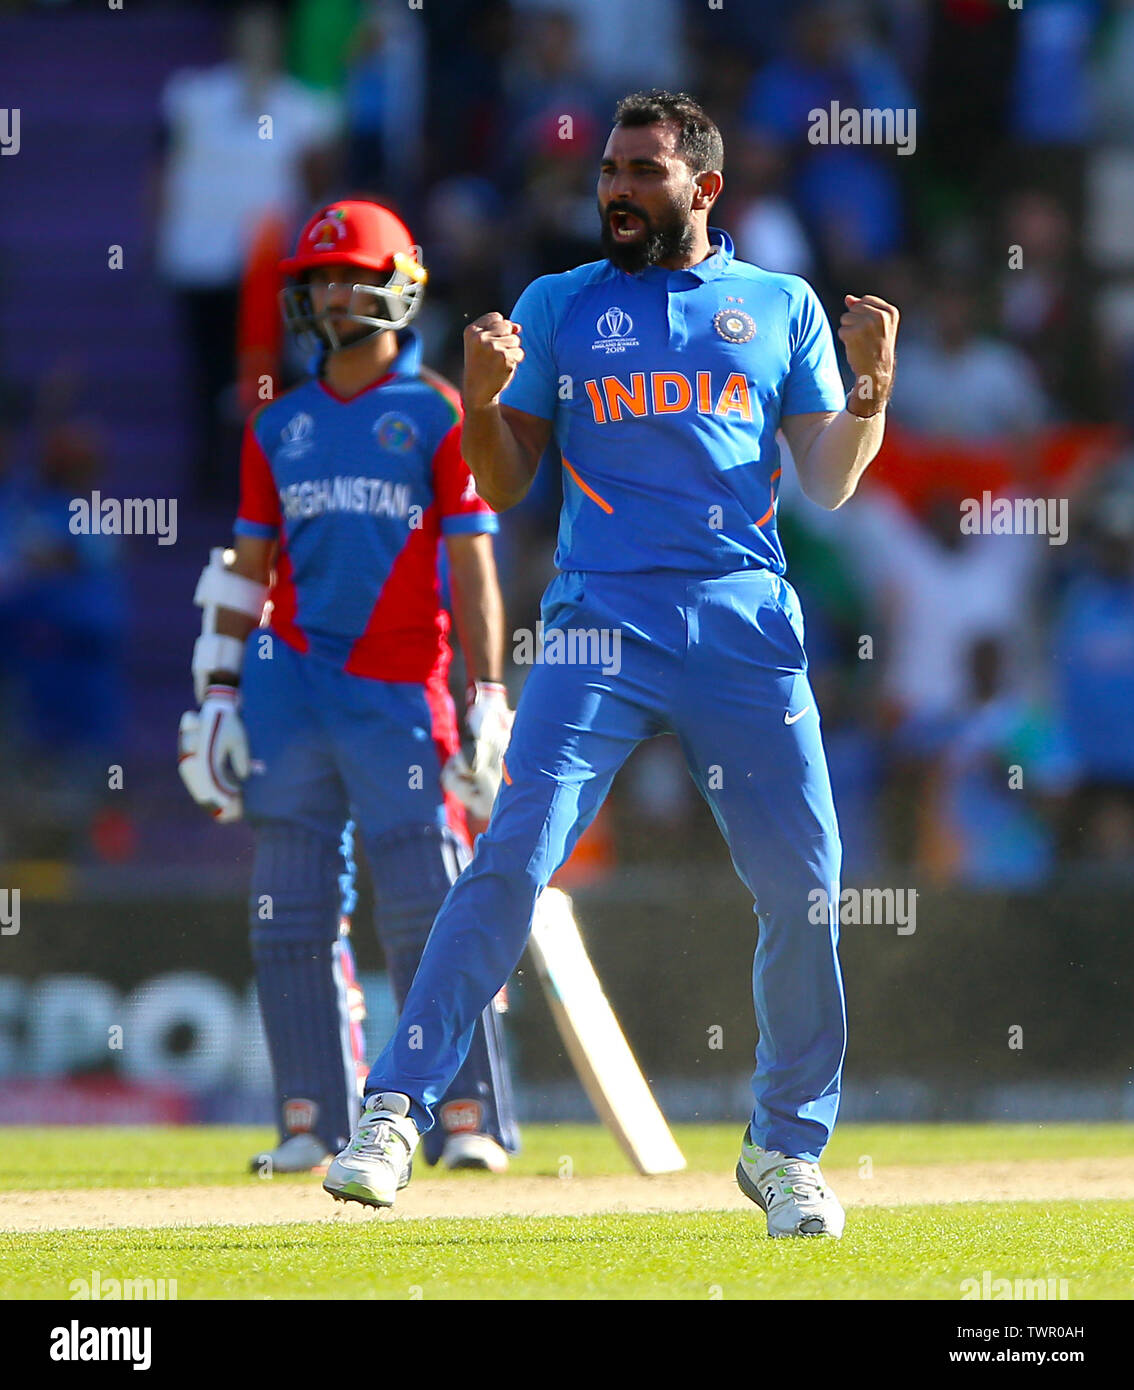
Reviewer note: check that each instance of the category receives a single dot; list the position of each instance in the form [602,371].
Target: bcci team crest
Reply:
[395,432]
[734,325]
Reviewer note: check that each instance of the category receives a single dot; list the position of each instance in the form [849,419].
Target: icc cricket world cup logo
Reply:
[615,328]
[615,323]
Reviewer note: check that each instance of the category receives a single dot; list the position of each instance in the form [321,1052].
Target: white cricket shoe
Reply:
[299,1153]
[791,1191]
[467,1149]
[378,1159]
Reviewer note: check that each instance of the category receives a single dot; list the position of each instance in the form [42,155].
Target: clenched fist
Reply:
[492,354]
[868,330]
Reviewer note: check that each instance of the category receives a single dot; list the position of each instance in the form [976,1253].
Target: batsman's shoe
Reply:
[466,1149]
[299,1153]
[791,1191]
[378,1159]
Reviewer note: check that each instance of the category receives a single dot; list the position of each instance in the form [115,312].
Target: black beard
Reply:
[661,243]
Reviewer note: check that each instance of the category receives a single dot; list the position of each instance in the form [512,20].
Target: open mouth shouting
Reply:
[626,226]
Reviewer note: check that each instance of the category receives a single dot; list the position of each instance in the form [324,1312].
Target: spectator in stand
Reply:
[848,195]
[556,122]
[1045,304]
[963,99]
[385,104]
[223,169]
[1109,212]
[958,382]
[11,579]
[66,621]
[320,37]
[464,226]
[9,496]
[936,588]
[998,784]
[625,44]
[938,592]
[1093,645]
[546,81]
[1112,91]
[935,592]
[558,213]
[1052,58]
[468,46]
[765,227]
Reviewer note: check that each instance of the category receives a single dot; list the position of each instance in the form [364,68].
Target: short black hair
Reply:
[699,141]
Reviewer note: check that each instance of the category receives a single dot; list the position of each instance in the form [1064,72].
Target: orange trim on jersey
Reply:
[772,508]
[590,492]
[504,773]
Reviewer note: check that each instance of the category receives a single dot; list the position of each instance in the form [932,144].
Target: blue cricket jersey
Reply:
[359,494]
[665,391]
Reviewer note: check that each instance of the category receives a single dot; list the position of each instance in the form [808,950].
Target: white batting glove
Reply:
[489,721]
[212,754]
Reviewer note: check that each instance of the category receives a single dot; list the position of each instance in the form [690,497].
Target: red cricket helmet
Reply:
[363,235]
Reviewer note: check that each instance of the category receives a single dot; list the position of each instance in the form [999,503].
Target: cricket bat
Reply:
[594,1040]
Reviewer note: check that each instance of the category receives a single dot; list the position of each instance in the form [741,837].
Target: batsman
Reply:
[334,718]
[662,374]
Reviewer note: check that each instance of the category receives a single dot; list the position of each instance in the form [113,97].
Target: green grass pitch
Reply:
[916,1251]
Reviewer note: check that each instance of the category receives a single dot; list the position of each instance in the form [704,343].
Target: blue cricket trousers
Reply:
[329,747]
[719,662]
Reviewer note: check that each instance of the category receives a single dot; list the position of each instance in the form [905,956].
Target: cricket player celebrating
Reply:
[663,374]
[348,484]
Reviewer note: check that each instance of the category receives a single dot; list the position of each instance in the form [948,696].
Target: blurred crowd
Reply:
[976,688]
[62,639]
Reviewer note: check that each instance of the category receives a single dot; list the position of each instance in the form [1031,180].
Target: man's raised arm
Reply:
[501,446]
[832,449]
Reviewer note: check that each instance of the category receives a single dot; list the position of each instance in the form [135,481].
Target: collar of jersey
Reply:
[714,264]
[406,363]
